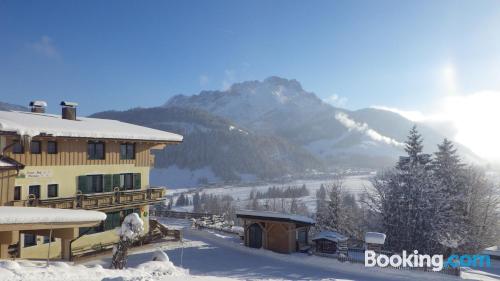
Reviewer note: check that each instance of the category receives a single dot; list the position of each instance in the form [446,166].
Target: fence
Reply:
[178,215]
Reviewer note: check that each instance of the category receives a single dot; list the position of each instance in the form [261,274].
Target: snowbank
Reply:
[34,124]
[14,215]
[60,271]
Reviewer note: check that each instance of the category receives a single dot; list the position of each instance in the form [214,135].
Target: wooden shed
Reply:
[330,242]
[282,233]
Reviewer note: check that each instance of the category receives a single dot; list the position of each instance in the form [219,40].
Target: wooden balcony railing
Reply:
[95,201]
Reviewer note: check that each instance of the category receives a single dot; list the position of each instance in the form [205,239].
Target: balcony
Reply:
[99,201]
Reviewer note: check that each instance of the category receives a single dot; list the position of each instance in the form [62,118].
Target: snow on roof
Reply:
[4,163]
[330,235]
[7,163]
[375,237]
[19,215]
[39,103]
[274,215]
[34,124]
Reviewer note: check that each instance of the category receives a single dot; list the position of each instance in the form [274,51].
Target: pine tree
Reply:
[406,200]
[449,176]
[196,203]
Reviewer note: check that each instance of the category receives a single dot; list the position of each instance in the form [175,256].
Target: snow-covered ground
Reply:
[209,255]
[62,271]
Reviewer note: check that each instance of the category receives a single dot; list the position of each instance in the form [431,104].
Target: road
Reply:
[224,256]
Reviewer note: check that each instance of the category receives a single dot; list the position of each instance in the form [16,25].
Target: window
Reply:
[35,190]
[36,147]
[90,184]
[52,147]
[94,183]
[29,240]
[52,190]
[127,181]
[17,193]
[95,150]
[113,220]
[46,239]
[127,151]
[17,148]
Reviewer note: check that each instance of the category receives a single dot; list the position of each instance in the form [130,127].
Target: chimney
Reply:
[38,106]
[69,110]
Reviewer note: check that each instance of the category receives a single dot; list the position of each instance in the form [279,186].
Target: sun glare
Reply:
[476,118]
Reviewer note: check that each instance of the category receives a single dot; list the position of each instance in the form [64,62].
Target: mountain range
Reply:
[270,129]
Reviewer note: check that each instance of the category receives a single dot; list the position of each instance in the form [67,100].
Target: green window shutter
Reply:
[116,180]
[82,184]
[108,183]
[137,181]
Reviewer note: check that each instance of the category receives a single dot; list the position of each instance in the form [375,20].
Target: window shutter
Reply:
[82,184]
[108,183]
[116,180]
[137,181]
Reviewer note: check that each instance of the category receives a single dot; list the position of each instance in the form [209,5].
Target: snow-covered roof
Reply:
[7,163]
[330,235]
[34,124]
[274,215]
[23,215]
[4,163]
[375,238]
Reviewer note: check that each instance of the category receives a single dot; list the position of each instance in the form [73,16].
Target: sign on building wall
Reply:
[38,174]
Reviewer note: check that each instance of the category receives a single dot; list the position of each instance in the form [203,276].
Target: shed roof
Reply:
[35,124]
[267,215]
[330,235]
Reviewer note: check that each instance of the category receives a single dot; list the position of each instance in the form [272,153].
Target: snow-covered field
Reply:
[241,194]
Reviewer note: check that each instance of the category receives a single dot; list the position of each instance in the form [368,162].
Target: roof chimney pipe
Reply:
[69,110]
[38,106]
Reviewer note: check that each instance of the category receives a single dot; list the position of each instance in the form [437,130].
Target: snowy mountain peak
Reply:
[250,100]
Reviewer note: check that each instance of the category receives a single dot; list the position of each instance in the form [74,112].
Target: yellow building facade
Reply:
[84,163]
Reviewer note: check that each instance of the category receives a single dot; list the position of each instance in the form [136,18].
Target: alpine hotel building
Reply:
[69,162]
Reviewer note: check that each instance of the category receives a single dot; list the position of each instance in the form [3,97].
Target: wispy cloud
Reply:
[45,47]
[365,129]
[336,100]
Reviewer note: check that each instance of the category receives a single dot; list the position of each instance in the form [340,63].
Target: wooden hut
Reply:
[283,233]
[330,242]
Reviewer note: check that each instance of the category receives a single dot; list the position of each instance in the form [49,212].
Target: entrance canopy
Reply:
[32,218]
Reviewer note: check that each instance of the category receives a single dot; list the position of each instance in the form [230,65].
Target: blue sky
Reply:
[121,54]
